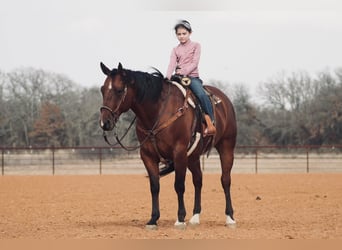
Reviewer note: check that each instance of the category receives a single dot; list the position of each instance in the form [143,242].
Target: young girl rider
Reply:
[184,61]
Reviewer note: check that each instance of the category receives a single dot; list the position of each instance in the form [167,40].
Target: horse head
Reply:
[116,94]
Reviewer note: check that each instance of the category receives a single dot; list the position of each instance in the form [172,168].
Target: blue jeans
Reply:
[196,87]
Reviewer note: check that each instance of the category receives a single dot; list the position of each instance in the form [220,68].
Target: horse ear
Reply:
[104,68]
[120,66]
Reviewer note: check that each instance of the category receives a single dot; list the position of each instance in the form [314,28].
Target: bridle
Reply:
[115,115]
[114,112]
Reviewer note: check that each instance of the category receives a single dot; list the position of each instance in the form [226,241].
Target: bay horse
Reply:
[165,128]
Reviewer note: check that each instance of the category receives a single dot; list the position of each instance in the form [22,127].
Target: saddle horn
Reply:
[186,81]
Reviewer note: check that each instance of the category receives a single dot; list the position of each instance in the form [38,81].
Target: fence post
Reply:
[2,161]
[307,159]
[53,160]
[256,161]
[100,157]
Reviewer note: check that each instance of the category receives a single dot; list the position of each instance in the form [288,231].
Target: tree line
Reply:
[41,108]
[296,109]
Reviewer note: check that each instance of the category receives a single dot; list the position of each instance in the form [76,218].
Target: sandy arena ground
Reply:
[267,206]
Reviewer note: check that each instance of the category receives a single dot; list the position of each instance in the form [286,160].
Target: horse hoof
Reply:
[151,227]
[195,220]
[232,226]
[180,225]
[230,222]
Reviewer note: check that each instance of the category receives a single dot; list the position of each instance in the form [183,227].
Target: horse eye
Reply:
[120,91]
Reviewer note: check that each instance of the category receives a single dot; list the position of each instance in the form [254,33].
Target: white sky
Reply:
[242,40]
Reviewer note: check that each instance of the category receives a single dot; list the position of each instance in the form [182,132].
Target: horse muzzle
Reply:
[107,125]
[108,118]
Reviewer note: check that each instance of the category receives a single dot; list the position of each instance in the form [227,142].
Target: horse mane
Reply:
[148,85]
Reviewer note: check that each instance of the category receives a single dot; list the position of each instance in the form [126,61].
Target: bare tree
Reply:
[304,108]
[49,127]
[26,89]
[288,91]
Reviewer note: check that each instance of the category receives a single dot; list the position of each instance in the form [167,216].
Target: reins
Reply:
[150,133]
[118,140]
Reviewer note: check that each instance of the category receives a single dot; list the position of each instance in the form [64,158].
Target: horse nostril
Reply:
[105,125]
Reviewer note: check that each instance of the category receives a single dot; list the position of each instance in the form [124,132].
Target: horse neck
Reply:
[148,112]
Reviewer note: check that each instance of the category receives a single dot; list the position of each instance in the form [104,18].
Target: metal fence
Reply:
[115,160]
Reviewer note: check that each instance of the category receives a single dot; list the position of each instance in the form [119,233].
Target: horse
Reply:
[165,128]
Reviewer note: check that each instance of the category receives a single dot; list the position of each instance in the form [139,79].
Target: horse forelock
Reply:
[113,72]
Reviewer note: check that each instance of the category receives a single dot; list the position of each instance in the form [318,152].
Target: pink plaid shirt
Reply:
[186,57]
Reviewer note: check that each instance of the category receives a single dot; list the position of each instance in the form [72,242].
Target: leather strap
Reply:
[180,112]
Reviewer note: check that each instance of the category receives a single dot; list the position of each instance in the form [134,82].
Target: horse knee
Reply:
[179,187]
[179,183]
[197,182]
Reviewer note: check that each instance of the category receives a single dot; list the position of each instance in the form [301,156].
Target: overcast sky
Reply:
[242,40]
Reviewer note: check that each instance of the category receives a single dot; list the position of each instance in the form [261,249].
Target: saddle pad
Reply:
[182,89]
[215,98]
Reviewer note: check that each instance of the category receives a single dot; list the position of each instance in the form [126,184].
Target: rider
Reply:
[184,61]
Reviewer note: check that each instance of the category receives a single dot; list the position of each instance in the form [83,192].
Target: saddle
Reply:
[194,103]
[185,82]
[197,127]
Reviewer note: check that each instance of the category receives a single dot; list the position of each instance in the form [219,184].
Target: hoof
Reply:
[151,227]
[195,220]
[232,226]
[230,222]
[180,225]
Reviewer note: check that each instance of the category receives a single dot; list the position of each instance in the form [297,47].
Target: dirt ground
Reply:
[267,206]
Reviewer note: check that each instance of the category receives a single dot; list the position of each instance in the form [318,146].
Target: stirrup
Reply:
[210,129]
[209,133]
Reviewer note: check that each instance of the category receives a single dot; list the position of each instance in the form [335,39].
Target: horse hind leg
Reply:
[226,151]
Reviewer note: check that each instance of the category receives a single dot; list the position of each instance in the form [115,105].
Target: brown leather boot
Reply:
[210,130]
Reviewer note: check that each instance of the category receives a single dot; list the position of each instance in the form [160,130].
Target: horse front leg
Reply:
[154,188]
[153,174]
[179,185]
